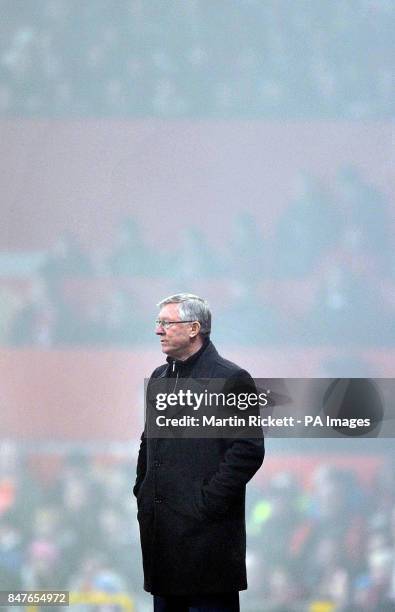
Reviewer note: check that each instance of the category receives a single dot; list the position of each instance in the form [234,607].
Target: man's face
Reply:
[176,340]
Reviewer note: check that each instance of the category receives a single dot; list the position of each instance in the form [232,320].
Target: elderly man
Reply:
[191,492]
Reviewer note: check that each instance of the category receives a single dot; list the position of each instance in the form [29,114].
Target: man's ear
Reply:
[195,329]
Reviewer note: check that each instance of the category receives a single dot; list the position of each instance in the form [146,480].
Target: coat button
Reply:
[158,500]
[156,464]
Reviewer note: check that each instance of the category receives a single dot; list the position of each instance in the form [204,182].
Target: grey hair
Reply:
[191,308]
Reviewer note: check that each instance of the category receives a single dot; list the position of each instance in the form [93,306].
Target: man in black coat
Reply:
[191,492]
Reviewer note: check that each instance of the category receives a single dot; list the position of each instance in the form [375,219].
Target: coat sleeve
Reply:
[243,457]
[141,464]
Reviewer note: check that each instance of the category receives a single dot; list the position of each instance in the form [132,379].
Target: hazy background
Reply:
[243,151]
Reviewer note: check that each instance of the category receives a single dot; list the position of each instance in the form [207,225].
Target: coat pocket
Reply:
[217,507]
[204,509]
[184,498]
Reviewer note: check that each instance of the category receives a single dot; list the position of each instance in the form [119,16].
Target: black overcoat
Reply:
[191,500]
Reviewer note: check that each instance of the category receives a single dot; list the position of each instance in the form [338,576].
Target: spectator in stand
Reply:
[261,324]
[346,309]
[11,553]
[305,231]
[366,236]
[40,571]
[66,259]
[275,518]
[195,259]
[131,256]
[9,307]
[34,324]
[19,490]
[246,261]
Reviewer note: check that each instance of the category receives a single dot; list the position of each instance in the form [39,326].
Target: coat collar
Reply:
[197,365]
[183,366]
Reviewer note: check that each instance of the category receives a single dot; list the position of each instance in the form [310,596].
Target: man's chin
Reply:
[167,351]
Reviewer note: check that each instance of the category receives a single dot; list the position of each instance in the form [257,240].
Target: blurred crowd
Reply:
[329,59]
[323,273]
[68,522]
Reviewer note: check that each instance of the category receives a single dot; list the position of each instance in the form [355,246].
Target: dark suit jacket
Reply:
[191,499]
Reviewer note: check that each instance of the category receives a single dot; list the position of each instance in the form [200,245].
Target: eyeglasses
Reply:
[167,324]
